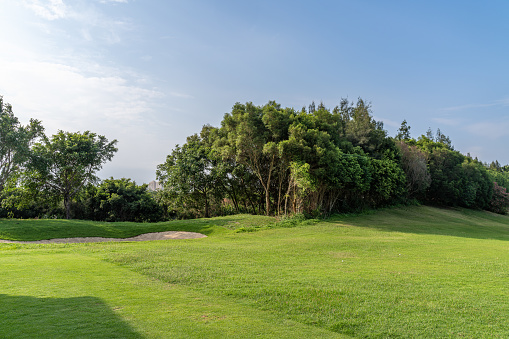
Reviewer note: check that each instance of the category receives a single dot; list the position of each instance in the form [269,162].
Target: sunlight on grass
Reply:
[403,272]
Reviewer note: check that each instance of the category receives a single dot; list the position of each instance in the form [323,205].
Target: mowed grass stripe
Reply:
[69,295]
[375,278]
[402,272]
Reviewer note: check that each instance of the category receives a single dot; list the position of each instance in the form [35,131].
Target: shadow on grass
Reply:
[457,222]
[83,317]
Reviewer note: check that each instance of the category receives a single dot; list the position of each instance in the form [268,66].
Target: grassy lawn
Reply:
[403,272]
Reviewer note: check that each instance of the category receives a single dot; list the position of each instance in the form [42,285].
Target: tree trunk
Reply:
[207,213]
[67,204]
[267,188]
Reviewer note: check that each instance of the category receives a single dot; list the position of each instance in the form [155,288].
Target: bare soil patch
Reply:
[142,237]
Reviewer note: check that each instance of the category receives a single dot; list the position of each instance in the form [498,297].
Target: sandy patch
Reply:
[141,237]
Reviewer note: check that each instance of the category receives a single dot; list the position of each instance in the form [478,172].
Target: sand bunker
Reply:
[142,237]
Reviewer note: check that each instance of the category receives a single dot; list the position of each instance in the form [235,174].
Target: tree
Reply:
[251,136]
[15,142]
[500,200]
[414,163]
[187,176]
[403,131]
[67,162]
[119,200]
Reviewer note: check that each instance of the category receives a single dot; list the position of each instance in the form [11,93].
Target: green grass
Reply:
[403,272]
[41,229]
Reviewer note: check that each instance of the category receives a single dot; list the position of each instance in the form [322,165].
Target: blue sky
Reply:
[151,72]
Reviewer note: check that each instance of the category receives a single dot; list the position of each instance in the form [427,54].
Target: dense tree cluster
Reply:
[273,160]
[276,160]
[261,159]
[117,200]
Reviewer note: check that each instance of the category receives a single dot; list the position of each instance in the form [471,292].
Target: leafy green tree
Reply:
[119,200]
[67,162]
[415,166]
[388,182]
[15,142]
[187,176]
[251,136]
[403,131]
[500,200]
[456,180]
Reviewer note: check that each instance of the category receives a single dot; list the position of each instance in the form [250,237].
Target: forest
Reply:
[261,160]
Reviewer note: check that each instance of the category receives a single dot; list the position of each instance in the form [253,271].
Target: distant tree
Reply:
[15,142]
[414,163]
[403,131]
[444,139]
[429,134]
[312,108]
[495,166]
[187,176]
[119,200]
[500,199]
[67,162]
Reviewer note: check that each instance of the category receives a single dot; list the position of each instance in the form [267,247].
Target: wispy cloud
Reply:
[489,129]
[49,9]
[86,18]
[113,1]
[470,106]
[181,95]
[62,96]
[449,121]
[388,122]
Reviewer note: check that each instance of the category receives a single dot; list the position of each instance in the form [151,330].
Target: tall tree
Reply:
[15,142]
[403,131]
[251,137]
[187,175]
[64,164]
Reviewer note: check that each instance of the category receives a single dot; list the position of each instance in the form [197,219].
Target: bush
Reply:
[500,200]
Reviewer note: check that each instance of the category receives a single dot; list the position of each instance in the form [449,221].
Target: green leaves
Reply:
[282,161]
[64,164]
[15,142]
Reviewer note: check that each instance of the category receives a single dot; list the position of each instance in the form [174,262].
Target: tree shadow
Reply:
[80,317]
[457,222]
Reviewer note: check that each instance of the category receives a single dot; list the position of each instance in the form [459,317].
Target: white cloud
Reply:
[181,95]
[470,106]
[490,130]
[114,105]
[48,9]
[448,121]
[113,1]
[83,18]
[64,96]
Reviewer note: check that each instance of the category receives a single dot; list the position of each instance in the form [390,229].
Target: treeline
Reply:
[54,177]
[274,160]
[261,159]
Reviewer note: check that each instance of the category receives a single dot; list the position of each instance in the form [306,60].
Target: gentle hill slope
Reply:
[401,272]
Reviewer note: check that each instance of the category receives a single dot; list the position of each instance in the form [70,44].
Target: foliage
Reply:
[188,178]
[63,165]
[403,131]
[15,142]
[118,200]
[500,200]
[276,160]
[456,180]
[414,164]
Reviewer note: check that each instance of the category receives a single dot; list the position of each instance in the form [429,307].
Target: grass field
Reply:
[402,272]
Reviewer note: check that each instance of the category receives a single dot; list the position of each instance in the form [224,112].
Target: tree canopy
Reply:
[15,142]
[67,162]
[266,159]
